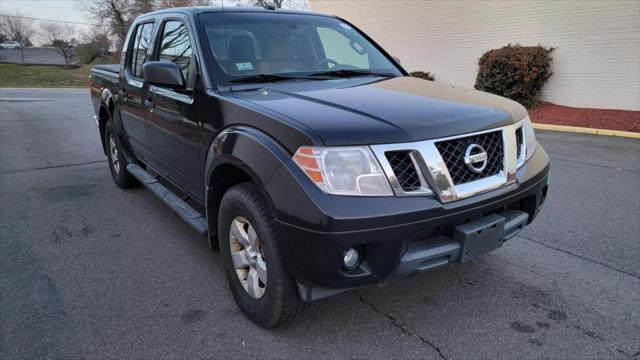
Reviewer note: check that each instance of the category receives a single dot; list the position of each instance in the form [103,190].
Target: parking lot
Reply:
[90,270]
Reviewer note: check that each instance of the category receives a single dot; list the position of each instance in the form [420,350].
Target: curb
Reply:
[584,130]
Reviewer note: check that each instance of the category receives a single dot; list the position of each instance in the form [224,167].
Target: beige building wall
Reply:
[596,64]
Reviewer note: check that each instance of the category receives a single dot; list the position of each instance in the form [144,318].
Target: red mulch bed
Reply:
[548,113]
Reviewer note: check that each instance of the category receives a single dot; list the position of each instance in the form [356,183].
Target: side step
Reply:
[186,212]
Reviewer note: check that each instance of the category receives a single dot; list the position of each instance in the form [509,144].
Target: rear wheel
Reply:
[257,275]
[117,161]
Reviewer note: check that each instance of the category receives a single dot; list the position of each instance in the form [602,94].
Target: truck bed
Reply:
[112,68]
[103,77]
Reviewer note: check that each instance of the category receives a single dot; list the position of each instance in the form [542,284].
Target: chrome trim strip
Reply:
[435,170]
[523,152]
[379,152]
[510,153]
[135,83]
[434,174]
[171,94]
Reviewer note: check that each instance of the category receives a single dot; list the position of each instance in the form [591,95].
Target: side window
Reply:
[176,46]
[339,48]
[140,47]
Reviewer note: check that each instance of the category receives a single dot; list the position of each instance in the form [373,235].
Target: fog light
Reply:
[350,259]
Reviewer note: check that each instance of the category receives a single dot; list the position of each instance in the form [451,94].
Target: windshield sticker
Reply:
[346,26]
[245,66]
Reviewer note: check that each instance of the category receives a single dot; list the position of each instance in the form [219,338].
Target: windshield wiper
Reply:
[344,73]
[266,78]
[323,75]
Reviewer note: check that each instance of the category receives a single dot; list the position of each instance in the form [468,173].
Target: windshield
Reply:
[246,44]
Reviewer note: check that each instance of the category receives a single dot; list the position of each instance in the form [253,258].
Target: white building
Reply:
[596,63]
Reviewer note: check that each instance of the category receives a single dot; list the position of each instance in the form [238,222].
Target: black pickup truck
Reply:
[306,154]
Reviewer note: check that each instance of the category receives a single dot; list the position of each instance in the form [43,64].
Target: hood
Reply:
[403,109]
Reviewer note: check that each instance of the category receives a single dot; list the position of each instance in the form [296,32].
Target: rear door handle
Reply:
[149,103]
[123,95]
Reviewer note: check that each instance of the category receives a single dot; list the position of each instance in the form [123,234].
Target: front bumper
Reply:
[396,236]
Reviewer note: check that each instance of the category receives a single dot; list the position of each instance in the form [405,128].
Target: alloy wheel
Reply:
[113,148]
[247,257]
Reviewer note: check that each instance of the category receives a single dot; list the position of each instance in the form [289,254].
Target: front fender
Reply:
[243,149]
[253,151]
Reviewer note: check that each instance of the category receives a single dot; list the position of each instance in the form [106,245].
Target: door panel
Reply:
[173,127]
[132,90]
[134,115]
[174,135]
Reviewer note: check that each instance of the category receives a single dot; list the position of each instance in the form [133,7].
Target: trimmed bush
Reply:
[423,75]
[516,72]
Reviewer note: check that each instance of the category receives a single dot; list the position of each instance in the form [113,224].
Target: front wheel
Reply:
[257,275]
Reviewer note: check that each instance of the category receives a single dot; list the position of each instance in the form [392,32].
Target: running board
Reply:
[186,212]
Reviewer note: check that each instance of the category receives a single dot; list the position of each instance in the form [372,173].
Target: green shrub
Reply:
[423,75]
[516,72]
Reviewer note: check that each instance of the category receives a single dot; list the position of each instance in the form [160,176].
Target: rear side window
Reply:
[175,46]
[141,45]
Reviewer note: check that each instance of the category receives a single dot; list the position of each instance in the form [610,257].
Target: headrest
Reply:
[278,50]
[241,49]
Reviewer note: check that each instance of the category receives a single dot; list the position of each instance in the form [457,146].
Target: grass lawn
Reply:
[12,75]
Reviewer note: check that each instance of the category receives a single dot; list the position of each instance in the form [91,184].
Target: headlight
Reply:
[343,170]
[526,139]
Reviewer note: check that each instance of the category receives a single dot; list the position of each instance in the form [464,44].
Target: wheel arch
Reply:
[237,155]
[105,112]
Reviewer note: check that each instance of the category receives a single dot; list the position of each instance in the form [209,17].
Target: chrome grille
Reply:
[437,167]
[453,152]
[404,170]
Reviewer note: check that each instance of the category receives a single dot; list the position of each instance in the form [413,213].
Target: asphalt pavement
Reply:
[90,270]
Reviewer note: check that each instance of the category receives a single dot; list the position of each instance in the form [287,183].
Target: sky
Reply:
[69,10]
[60,10]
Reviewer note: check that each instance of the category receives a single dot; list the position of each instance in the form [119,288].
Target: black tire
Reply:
[280,303]
[120,175]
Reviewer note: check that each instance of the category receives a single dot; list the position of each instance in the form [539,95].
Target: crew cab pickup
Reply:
[306,154]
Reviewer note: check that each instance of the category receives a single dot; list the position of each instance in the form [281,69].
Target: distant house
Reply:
[596,63]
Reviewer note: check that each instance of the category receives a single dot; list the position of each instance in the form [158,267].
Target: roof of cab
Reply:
[195,10]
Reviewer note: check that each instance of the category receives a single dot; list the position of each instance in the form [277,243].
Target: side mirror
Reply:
[397,59]
[163,74]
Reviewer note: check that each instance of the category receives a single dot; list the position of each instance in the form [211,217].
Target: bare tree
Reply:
[17,27]
[163,4]
[296,4]
[278,4]
[95,43]
[118,15]
[64,38]
[262,3]
[100,41]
